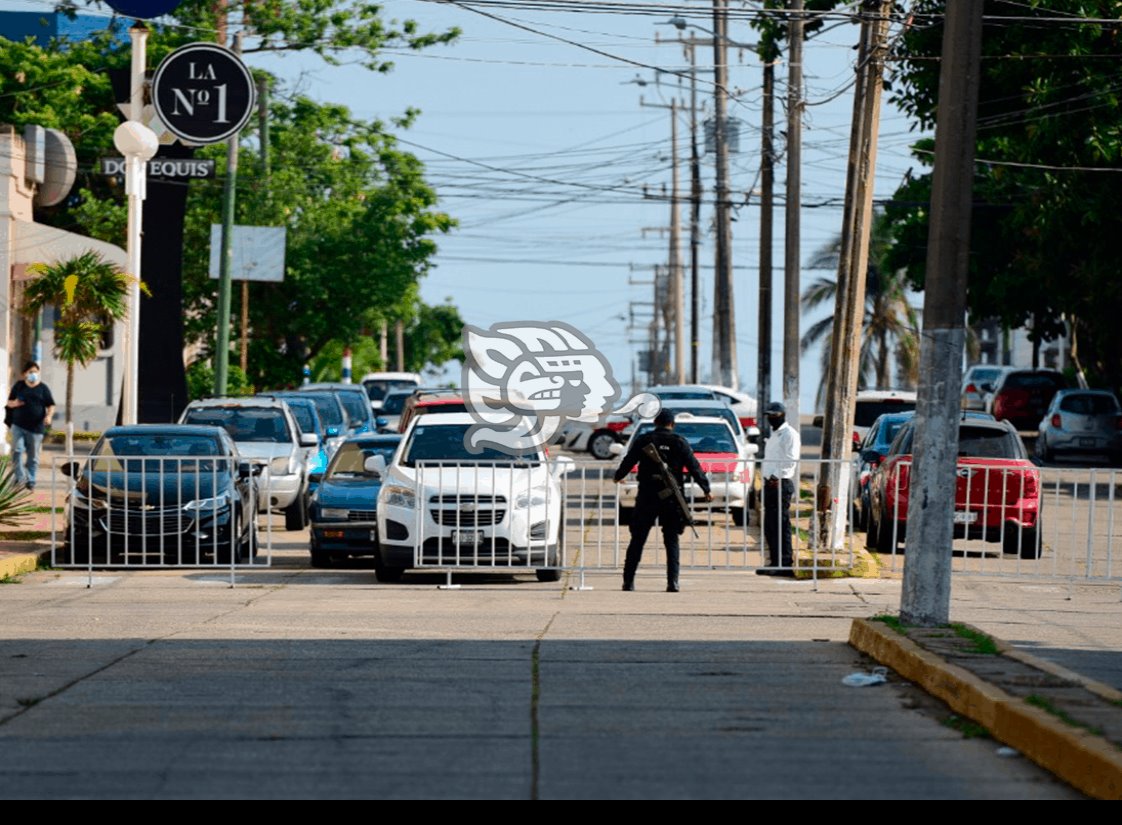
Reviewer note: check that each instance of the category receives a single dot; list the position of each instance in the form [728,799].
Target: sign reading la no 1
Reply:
[203,93]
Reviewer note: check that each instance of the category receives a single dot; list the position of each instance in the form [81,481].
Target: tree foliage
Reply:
[360,217]
[1047,201]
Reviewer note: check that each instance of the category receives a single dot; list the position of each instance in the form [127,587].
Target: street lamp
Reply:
[138,144]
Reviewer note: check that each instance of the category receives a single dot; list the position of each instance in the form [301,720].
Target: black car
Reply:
[161,494]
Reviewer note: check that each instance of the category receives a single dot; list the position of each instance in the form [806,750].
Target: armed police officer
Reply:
[655,499]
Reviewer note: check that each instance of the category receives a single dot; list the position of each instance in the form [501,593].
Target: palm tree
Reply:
[890,334]
[90,293]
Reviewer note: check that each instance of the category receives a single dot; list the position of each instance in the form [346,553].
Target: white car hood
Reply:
[264,449]
[468,481]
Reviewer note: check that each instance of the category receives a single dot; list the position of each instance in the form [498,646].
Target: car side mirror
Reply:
[819,421]
[309,440]
[563,465]
[381,422]
[72,469]
[315,478]
[616,449]
[245,469]
[375,465]
[871,456]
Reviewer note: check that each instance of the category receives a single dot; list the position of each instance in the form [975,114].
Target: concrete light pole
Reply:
[138,144]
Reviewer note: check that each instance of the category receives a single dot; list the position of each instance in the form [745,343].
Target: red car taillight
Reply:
[1057,422]
[856,441]
[747,422]
[617,426]
[970,388]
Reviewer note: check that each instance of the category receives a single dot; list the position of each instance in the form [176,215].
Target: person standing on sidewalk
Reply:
[31,407]
[650,504]
[780,472]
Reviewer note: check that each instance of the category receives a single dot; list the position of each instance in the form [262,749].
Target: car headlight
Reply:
[399,497]
[283,466]
[334,513]
[530,498]
[80,501]
[200,504]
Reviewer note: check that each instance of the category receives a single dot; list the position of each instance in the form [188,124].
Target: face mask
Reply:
[775,422]
[32,378]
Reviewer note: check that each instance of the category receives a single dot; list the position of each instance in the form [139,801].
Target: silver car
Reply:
[1088,422]
[979,382]
[264,428]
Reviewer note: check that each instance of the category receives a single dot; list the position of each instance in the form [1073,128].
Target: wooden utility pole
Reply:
[767,205]
[724,325]
[222,343]
[676,298]
[926,595]
[792,263]
[853,263]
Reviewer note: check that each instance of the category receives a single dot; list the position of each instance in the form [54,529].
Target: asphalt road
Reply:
[302,683]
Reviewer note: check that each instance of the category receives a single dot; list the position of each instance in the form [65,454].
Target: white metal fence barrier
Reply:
[1040,522]
[1010,520]
[159,511]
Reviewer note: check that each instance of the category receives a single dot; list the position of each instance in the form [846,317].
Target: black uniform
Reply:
[650,505]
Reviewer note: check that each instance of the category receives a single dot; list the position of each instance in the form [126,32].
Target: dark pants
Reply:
[648,508]
[777,522]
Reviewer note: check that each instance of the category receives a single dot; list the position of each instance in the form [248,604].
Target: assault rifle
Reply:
[671,488]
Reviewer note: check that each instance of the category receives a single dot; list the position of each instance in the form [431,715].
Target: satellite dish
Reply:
[61,169]
[143,9]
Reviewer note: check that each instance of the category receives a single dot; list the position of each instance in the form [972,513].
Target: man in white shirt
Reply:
[780,472]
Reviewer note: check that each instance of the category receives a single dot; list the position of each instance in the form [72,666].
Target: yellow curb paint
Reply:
[17,565]
[1089,763]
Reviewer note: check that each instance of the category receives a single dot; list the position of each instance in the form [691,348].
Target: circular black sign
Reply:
[203,93]
[144,9]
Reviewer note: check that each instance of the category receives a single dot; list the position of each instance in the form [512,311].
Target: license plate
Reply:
[1087,442]
[469,537]
[965,518]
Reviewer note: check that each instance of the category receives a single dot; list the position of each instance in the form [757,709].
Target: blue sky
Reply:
[540,148]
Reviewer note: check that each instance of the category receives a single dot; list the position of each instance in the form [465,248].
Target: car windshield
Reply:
[378,388]
[687,395]
[725,413]
[350,461]
[395,403]
[358,410]
[264,425]
[986,442]
[1033,381]
[869,411]
[154,446]
[330,409]
[1090,404]
[305,418]
[703,438]
[445,442]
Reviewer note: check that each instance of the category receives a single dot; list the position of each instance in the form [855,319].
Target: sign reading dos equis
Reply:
[203,93]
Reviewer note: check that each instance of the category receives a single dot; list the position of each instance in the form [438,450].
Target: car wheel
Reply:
[385,574]
[886,539]
[320,558]
[1023,543]
[222,554]
[296,515]
[77,548]
[1046,453]
[741,516]
[548,574]
[872,528]
[600,445]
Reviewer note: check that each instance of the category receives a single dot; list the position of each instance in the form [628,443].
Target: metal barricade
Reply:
[548,517]
[1015,521]
[159,512]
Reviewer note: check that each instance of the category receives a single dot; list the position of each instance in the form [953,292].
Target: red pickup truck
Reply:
[997,493]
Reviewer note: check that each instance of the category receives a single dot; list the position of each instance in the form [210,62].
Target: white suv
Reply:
[443,507]
[265,428]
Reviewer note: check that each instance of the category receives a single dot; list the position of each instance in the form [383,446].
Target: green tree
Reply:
[890,332]
[89,294]
[1047,205]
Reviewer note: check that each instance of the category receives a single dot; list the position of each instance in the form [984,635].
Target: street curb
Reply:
[1089,763]
[13,562]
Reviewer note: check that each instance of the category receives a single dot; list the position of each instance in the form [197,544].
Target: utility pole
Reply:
[674,310]
[926,595]
[222,344]
[792,264]
[853,263]
[767,205]
[266,174]
[695,222]
[724,325]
